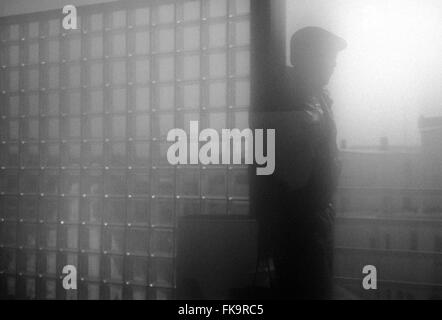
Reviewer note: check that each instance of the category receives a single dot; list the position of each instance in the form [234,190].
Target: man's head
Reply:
[313,54]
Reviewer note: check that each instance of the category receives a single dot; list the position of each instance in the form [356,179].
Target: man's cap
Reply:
[316,39]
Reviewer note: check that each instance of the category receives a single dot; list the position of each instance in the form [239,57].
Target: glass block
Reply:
[217,8]
[71,154]
[8,208]
[8,236]
[139,154]
[29,287]
[48,263]
[32,79]
[91,239]
[53,51]
[27,262]
[162,124]
[242,33]
[191,38]
[8,181]
[119,100]
[50,291]
[142,16]
[27,235]
[74,48]
[69,236]
[239,208]
[114,239]
[117,126]
[29,127]
[14,79]
[191,96]
[30,155]
[162,272]
[93,127]
[139,126]
[142,42]
[115,210]
[96,21]
[50,154]
[217,94]
[162,243]
[138,241]
[115,154]
[14,55]
[29,181]
[191,67]
[119,72]
[138,182]
[191,10]
[165,97]
[142,71]
[242,93]
[241,7]
[92,269]
[96,46]
[29,208]
[159,153]
[238,183]
[49,182]
[118,19]
[74,76]
[92,153]
[217,65]
[138,293]
[163,213]
[119,45]
[53,76]
[71,127]
[48,236]
[50,128]
[91,210]
[188,182]
[9,260]
[163,182]
[92,182]
[70,182]
[9,155]
[31,105]
[217,35]
[165,13]
[96,74]
[187,207]
[138,211]
[241,120]
[33,55]
[48,209]
[165,68]
[216,120]
[33,30]
[214,182]
[52,106]
[242,63]
[13,106]
[214,207]
[115,182]
[142,99]
[95,101]
[69,209]
[14,32]
[54,27]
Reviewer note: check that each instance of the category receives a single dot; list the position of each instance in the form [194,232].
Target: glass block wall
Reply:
[84,178]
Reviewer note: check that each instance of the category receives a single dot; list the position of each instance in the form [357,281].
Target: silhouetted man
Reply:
[294,204]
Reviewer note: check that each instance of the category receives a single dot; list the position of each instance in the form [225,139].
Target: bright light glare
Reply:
[391,71]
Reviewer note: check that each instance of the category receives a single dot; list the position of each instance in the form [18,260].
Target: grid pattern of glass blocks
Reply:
[84,178]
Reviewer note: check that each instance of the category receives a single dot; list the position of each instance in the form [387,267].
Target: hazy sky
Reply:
[391,71]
